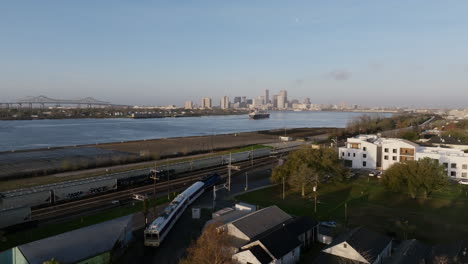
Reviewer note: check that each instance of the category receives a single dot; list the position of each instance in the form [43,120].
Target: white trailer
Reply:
[14,216]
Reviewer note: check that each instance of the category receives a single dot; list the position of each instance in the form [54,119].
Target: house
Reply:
[373,152]
[93,244]
[447,141]
[270,235]
[453,253]
[256,223]
[359,245]
[410,252]
[304,228]
[280,246]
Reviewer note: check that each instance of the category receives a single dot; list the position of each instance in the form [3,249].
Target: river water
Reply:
[32,134]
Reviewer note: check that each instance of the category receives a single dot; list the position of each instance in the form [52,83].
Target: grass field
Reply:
[47,230]
[443,217]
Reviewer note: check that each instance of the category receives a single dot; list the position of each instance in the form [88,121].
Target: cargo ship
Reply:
[258,115]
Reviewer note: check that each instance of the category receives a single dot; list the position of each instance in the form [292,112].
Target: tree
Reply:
[212,247]
[303,177]
[415,177]
[308,165]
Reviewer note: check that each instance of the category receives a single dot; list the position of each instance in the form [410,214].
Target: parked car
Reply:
[328,223]
[464,182]
[375,173]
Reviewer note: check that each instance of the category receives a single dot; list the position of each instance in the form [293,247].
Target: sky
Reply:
[391,53]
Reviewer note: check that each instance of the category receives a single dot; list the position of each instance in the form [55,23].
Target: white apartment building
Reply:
[206,103]
[188,105]
[373,152]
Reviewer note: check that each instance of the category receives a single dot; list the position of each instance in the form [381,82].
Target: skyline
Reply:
[159,53]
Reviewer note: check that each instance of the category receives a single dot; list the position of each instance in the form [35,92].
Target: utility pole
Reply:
[251,157]
[246,181]
[346,212]
[315,199]
[168,186]
[283,188]
[229,172]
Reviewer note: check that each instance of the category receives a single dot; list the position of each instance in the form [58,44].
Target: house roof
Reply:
[368,243]
[279,242]
[332,259]
[455,252]
[410,252]
[261,255]
[76,245]
[260,221]
[445,140]
[300,225]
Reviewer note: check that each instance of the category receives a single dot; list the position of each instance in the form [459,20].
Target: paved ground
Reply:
[188,229]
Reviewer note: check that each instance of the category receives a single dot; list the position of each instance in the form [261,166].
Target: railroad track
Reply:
[84,204]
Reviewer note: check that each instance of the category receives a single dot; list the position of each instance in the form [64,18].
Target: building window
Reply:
[364,148]
[394,150]
[354,154]
[394,158]
[364,163]
[464,166]
[386,150]
[464,174]
[344,245]
[342,153]
[385,157]
[445,164]
[453,165]
[349,154]
[364,155]
[453,173]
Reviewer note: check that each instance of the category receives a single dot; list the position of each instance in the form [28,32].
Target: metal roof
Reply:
[77,245]
[260,221]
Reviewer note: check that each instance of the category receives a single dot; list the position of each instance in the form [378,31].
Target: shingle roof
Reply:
[261,255]
[279,242]
[260,221]
[368,243]
[300,225]
[410,252]
[325,258]
[76,245]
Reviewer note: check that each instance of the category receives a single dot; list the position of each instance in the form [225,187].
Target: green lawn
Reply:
[442,217]
[48,230]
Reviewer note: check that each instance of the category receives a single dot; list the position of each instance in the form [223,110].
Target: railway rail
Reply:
[84,204]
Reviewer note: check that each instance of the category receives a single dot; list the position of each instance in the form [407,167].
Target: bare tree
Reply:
[212,247]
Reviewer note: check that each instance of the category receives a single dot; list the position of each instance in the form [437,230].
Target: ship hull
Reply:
[259,116]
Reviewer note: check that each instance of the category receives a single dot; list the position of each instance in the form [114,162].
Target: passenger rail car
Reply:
[155,233]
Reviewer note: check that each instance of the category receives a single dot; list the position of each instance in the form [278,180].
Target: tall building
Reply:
[267,96]
[281,102]
[224,102]
[244,99]
[188,105]
[274,101]
[206,103]
[284,93]
[237,99]
[307,100]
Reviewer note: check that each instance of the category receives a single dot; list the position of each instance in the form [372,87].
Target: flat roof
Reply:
[77,245]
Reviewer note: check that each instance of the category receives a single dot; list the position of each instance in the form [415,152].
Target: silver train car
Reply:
[155,233]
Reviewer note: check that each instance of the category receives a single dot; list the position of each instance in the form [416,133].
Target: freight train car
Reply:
[14,216]
[84,188]
[25,197]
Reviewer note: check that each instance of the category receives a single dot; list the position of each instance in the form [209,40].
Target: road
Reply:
[187,229]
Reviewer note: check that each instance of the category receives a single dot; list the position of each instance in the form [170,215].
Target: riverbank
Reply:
[105,158]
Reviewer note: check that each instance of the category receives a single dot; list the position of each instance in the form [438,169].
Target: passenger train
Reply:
[160,227]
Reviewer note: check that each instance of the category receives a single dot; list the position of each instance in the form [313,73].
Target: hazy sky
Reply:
[395,52]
